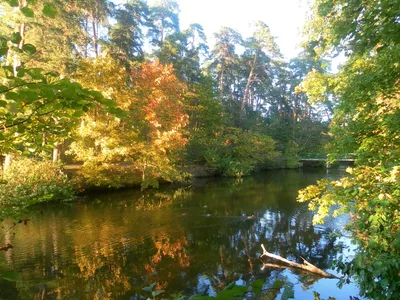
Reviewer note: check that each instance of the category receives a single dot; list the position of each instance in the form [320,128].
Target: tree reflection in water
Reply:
[193,239]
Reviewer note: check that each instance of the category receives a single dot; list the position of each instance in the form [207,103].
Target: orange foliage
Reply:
[149,136]
[159,93]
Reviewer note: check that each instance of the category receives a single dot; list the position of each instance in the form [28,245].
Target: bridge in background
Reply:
[346,159]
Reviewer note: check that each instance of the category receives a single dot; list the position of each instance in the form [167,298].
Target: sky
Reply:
[284,17]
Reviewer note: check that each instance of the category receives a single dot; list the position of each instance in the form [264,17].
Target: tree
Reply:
[259,47]
[37,108]
[224,56]
[126,36]
[144,143]
[184,50]
[165,18]
[366,120]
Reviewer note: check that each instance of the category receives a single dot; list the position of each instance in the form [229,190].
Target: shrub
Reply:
[234,152]
[28,181]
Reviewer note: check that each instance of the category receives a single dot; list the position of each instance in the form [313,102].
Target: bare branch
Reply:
[305,266]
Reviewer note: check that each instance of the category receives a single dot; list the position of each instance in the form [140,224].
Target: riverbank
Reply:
[30,181]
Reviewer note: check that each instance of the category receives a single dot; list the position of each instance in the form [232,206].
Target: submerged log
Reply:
[305,266]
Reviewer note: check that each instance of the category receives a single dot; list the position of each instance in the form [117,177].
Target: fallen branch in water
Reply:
[305,266]
[268,265]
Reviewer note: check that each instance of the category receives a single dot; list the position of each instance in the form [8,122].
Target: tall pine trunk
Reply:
[248,85]
[221,83]
[95,38]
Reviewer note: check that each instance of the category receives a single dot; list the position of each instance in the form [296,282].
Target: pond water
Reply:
[195,239]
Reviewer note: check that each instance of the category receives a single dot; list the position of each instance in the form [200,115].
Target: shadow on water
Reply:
[196,239]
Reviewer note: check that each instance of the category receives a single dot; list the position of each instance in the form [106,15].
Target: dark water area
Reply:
[195,239]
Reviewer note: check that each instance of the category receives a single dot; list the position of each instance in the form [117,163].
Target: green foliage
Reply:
[126,36]
[291,155]
[39,109]
[234,152]
[371,195]
[49,10]
[29,181]
[10,276]
[366,122]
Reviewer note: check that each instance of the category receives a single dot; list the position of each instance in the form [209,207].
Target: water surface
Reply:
[196,239]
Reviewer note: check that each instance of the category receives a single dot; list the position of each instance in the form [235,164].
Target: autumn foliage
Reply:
[141,145]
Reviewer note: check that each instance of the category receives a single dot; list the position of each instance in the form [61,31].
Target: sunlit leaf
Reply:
[49,10]
[15,37]
[28,12]
[12,96]
[29,48]
[13,3]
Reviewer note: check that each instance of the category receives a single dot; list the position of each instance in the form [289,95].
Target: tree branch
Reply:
[305,266]
[28,118]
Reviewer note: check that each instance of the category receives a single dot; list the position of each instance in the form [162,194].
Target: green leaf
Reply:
[21,73]
[69,93]
[3,46]
[28,12]
[119,113]
[77,114]
[31,2]
[30,96]
[3,42]
[49,10]
[10,276]
[3,88]
[97,95]
[3,103]
[158,292]
[384,283]
[29,48]
[3,51]
[46,92]
[12,96]
[13,3]
[15,37]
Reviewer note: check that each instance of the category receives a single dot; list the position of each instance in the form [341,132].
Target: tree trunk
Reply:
[7,162]
[248,84]
[85,50]
[56,154]
[95,38]
[221,82]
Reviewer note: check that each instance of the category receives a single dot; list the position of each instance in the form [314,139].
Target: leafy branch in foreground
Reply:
[366,122]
